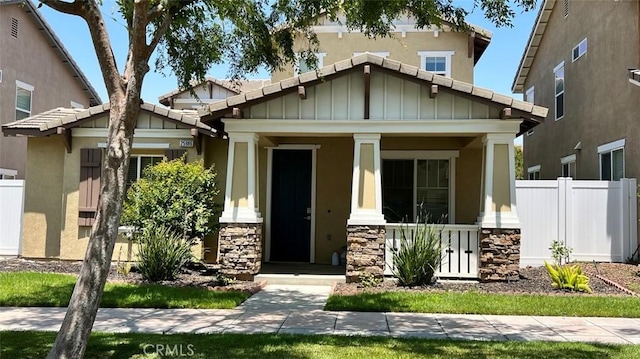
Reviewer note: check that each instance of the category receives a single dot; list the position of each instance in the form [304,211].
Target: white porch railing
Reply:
[459,245]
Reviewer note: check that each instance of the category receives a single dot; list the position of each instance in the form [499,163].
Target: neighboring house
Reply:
[65,148]
[210,90]
[36,74]
[314,163]
[577,63]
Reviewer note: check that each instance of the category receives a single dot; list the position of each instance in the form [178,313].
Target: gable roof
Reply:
[537,32]
[231,85]
[56,44]
[48,122]
[222,108]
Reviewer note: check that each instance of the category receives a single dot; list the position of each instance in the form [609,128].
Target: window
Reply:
[559,90]
[14,28]
[417,187]
[566,8]
[568,164]
[76,105]
[7,174]
[612,160]
[24,93]
[579,50]
[529,96]
[137,164]
[377,53]
[534,172]
[302,67]
[438,62]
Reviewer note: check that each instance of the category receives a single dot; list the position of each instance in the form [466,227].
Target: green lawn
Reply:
[229,346]
[30,289]
[480,303]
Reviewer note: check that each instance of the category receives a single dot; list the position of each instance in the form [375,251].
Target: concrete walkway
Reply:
[298,309]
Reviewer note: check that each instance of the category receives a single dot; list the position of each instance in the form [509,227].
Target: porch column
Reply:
[366,224]
[500,227]
[240,238]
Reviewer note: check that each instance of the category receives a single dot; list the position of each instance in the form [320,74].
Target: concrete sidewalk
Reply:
[298,309]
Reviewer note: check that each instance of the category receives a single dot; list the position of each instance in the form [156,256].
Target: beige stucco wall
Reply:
[601,105]
[51,198]
[215,154]
[403,49]
[30,59]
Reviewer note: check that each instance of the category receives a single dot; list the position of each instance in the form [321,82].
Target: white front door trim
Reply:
[267,224]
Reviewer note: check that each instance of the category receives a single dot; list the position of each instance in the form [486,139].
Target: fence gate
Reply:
[11,209]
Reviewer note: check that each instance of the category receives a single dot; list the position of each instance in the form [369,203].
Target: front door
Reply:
[291,205]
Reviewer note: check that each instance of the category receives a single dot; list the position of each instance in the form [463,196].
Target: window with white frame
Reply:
[7,174]
[559,90]
[24,96]
[438,62]
[529,96]
[137,164]
[301,65]
[533,172]
[418,185]
[566,8]
[612,160]
[377,53]
[579,50]
[568,164]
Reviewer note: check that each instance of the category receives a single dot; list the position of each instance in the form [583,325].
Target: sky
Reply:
[495,70]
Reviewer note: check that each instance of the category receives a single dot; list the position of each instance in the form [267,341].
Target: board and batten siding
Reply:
[392,98]
[145,121]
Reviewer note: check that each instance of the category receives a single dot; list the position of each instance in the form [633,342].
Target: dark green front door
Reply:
[291,205]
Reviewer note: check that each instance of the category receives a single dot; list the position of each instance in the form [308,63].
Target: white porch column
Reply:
[366,185]
[241,191]
[498,202]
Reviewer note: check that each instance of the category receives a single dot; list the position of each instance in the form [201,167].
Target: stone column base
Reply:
[499,255]
[365,251]
[240,248]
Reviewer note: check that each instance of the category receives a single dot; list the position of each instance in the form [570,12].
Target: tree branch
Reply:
[71,8]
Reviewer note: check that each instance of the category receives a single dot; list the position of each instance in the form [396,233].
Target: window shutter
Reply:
[90,161]
[173,154]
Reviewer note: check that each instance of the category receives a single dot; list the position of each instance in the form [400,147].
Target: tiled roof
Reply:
[56,44]
[220,108]
[46,123]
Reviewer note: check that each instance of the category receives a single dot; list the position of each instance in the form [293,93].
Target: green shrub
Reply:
[560,252]
[176,195]
[369,280]
[419,255]
[162,253]
[569,277]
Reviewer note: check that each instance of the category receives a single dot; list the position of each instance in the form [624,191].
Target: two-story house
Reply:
[384,131]
[36,74]
[577,63]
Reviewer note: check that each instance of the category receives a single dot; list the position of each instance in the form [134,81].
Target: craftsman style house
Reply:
[36,75]
[317,161]
[577,63]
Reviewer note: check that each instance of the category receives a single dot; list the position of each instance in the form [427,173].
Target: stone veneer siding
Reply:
[240,246]
[365,251]
[499,254]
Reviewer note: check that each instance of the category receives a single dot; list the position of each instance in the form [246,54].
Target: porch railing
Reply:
[459,245]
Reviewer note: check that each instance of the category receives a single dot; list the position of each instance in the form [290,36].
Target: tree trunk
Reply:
[73,336]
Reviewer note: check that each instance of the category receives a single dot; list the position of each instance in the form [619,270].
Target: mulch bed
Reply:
[533,280]
[203,276]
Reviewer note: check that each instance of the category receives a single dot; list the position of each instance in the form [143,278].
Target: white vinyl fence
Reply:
[459,245]
[598,219]
[11,209]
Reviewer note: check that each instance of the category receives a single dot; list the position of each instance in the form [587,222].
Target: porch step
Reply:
[300,279]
